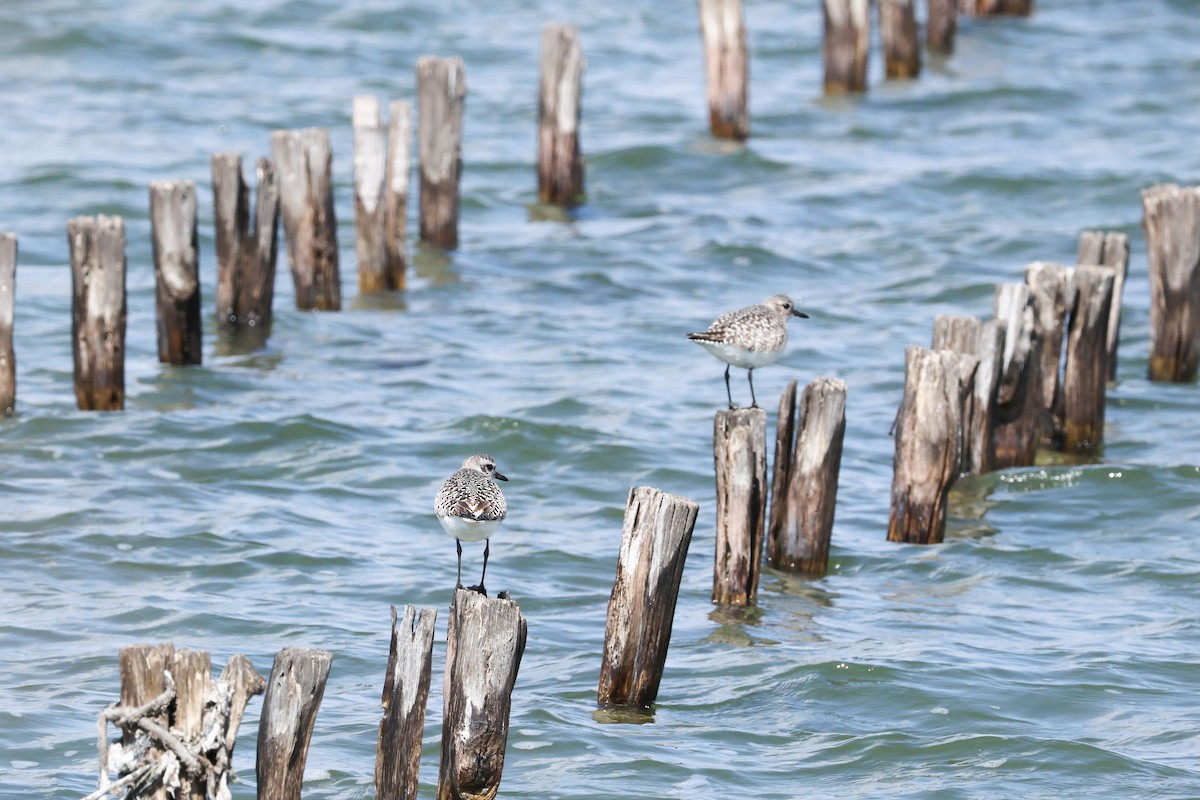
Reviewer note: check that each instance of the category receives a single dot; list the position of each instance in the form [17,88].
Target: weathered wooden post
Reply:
[785,446]
[1172,224]
[1109,250]
[398,163]
[294,694]
[405,692]
[654,542]
[560,159]
[370,209]
[1086,371]
[304,161]
[176,271]
[8,356]
[985,340]
[441,97]
[1017,409]
[846,45]
[941,25]
[247,245]
[97,247]
[144,678]
[898,33]
[740,459]
[801,542]
[726,67]
[484,645]
[1050,293]
[983,8]
[928,442]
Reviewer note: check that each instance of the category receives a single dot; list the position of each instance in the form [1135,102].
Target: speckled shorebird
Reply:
[750,337]
[471,507]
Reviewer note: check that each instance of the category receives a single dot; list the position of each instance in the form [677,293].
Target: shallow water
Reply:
[284,497]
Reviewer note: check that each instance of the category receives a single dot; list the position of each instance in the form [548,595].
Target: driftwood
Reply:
[985,340]
[399,159]
[8,356]
[740,460]
[560,159]
[484,644]
[1017,410]
[1051,295]
[405,692]
[304,161]
[846,45]
[941,25]
[441,97]
[176,271]
[898,33]
[726,67]
[247,245]
[1172,224]
[1086,371]
[289,712]
[654,542]
[97,247]
[1109,250]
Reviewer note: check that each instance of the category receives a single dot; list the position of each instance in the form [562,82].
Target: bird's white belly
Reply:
[739,356]
[469,530]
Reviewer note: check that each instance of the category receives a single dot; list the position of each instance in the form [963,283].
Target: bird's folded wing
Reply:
[476,508]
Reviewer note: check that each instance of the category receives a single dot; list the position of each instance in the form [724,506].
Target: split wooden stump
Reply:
[304,161]
[941,25]
[247,243]
[726,67]
[176,271]
[379,198]
[294,695]
[985,340]
[405,693]
[1086,373]
[898,33]
[560,159]
[8,356]
[846,45]
[97,246]
[1017,408]
[1172,224]
[1109,250]
[740,460]
[441,97]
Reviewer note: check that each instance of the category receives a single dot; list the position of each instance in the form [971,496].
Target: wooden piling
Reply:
[176,271]
[484,645]
[441,97]
[985,340]
[143,679]
[304,161]
[740,459]
[239,682]
[1109,249]
[1172,224]
[898,33]
[801,542]
[1017,409]
[1050,293]
[289,711]
[846,45]
[785,446]
[97,246]
[726,67]
[560,160]
[8,356]
[1086,372]
[405,692]
[370,208]
[941,25]
[247,246]
[654,542]
[928,442]
[983,8]
[399,161]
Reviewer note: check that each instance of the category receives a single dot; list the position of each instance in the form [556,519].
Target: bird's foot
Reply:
[480,588]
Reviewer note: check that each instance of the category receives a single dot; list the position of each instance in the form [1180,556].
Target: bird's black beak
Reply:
[498,476]
[798,313]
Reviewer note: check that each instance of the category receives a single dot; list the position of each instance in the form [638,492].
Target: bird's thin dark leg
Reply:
[750,377]
[458,583]
[487,547]
[728,392]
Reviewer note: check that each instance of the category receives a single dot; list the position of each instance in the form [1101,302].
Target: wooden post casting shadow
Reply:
[247,246]
[289,712]
[898,33]
[304,161]
[560,159]
[1017,410]
[1172,224]
[726,67]
[941,25]
[985,340]
[97,247]
[8,291]
[1108,250]
[441,97]
[1086,373]
[740,460]
[405,692]
[176,271]
[846,45]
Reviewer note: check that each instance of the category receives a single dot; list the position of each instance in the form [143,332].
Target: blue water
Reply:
[283,497]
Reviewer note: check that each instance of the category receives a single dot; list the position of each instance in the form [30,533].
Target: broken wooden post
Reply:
[1017,409]
[983,8]
[239,682]
[1172,224]
[97,247]
[1086,372]
[641,609]
[726,67]
[846,44]
[1050,290]
[928,442]
[144,680]
[176,271]
[8,356]
[740,459]
[785,445]
[560,160]
[484,644]
[370,209]
[304,161]
[985,340]
[898,33]
[941,25]
[801,543]
[294,694]
[441,97]
[247,245]
[405,692]
[399,160]
[1109,250]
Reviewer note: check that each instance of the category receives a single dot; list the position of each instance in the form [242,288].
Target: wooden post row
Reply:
[1172,224]
[97,246]
[985,340]
[304,160]
[441,97]
[285,728]
[846,45]
[1110,250]
[726,67]
[898,34]
[740,461]
[247,245]
[560,159]
[380,193]
[176,271]
[8,356]
[405,692]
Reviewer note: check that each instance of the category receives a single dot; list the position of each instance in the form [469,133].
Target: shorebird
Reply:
[471,507]
[750,337]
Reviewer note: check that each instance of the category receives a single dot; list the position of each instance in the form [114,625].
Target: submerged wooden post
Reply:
[247,244]
[740,459]
[176,271]
[654,542]
[1172,224]
[8,356]
[560,159]
[1109,250]
[928,442]
[1087,359]
[985,340]
[941,25]
[405,692]
[898,33]
[846,45]
[726,67]
[484,644]
[441,97]
[1050,294]
[290,707]
[399,160]
[304,160]
[801,543]
[97,247]
[370,209]
[1017,409]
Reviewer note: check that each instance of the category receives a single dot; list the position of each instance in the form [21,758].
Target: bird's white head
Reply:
[783,305]
[482,462]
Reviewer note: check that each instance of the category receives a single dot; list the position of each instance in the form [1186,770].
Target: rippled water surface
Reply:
[283,497]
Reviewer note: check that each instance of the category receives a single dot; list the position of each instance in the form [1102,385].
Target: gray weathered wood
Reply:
[785,445]
[239,682]
[1017,409]
[654,543]
[441,98]
[983,8]
[192,671]
[247,245]
[941,25]
[846,45]
[985,340]
[484,644]
[928,442]
[176,271]
[399,162]
[290,707]
[370,205]
[1109,249]
[97,246]
[726,67]
[1172,223]
[898,33]
[304,162]
[560,159]
[8,291]
[1050,294]
[740,459]
[405,692]
[801,543]
[142,668]
[1086,372]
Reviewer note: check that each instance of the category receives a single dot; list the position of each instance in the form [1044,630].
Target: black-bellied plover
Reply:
[471,507]
[750,337]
